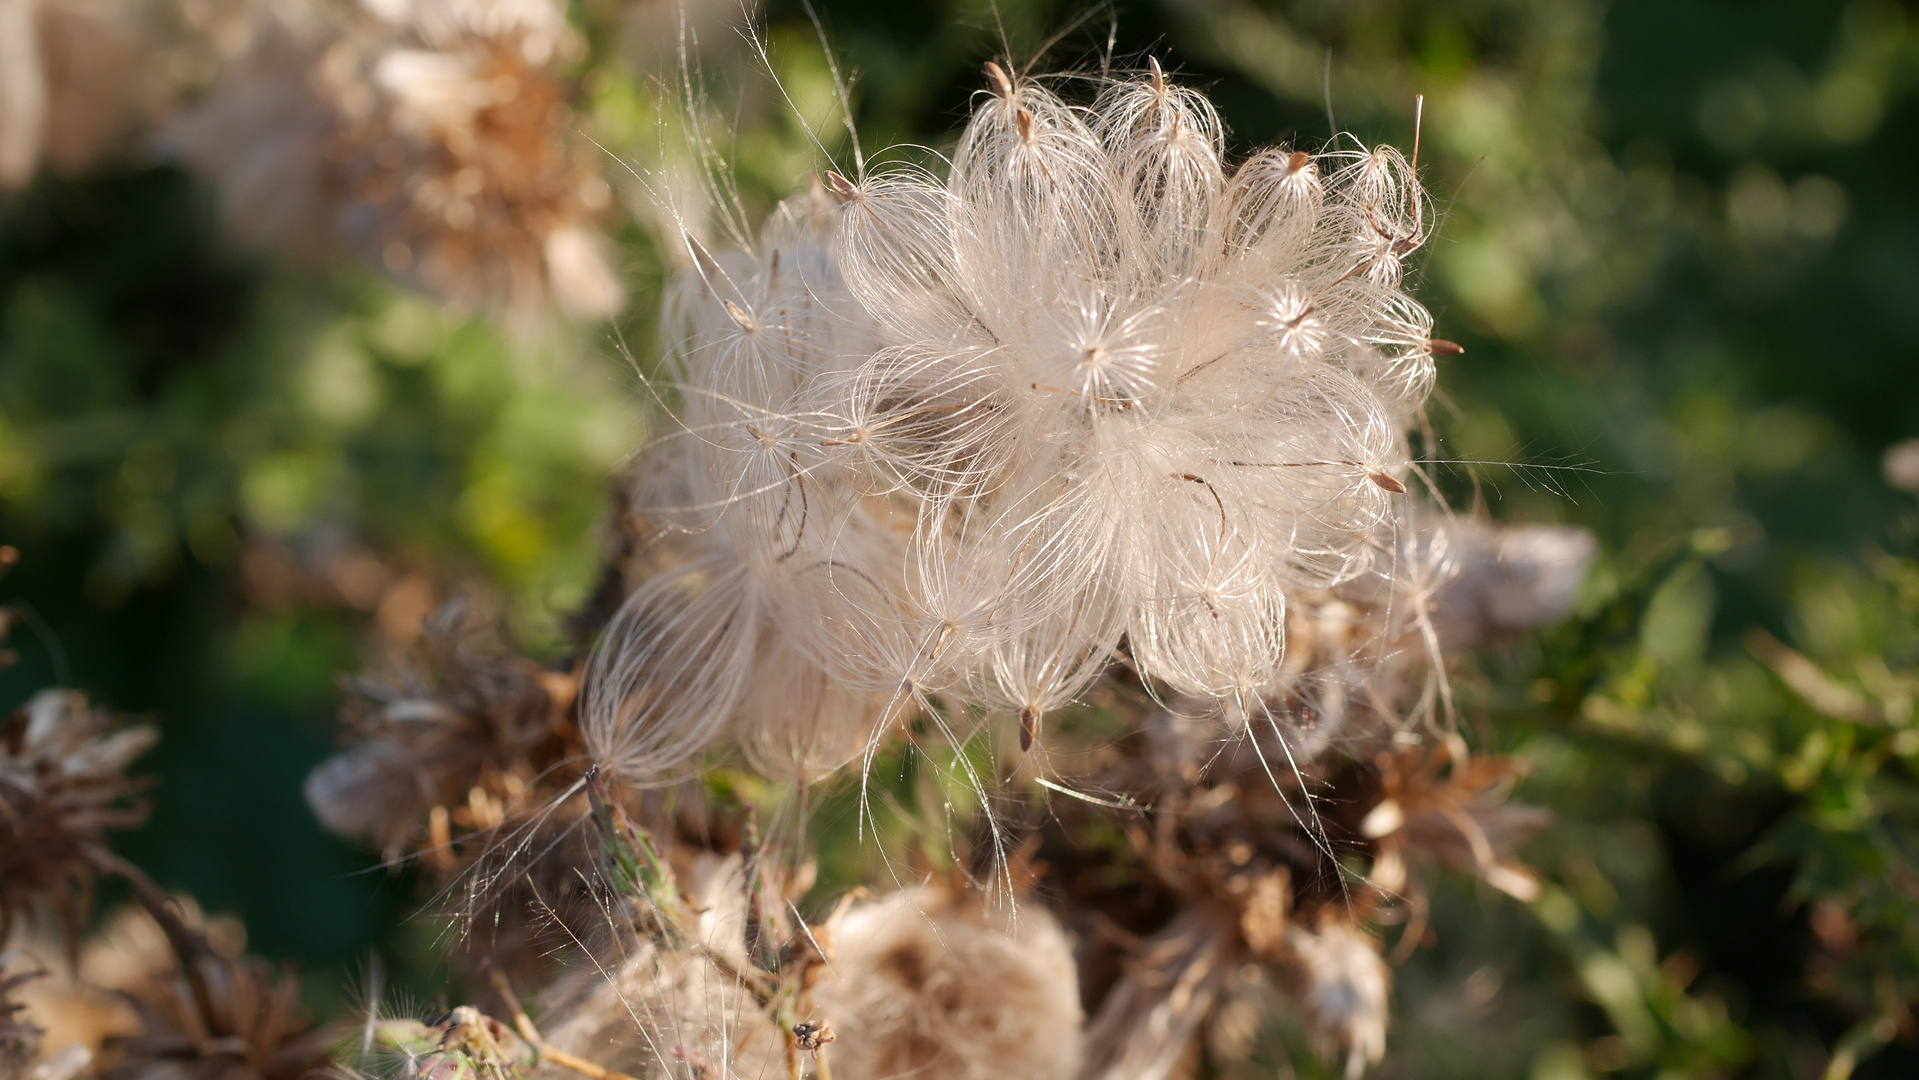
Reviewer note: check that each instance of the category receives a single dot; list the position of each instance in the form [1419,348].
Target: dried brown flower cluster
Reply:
[435,138]
[1242,850]
[162,994]
[214,1015]
[176,1008]
[62,785]
[467,762]
[1236,858]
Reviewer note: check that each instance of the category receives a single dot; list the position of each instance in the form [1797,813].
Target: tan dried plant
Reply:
[63,785]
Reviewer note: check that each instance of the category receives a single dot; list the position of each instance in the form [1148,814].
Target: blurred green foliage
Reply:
[1677,240]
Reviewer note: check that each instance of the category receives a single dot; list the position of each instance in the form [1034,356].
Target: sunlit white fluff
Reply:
[970,434]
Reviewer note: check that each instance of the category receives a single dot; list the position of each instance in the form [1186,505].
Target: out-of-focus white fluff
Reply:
[931,984]
[962,435]
[1342,984]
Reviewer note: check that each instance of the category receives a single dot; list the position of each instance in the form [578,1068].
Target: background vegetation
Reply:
[1679,245]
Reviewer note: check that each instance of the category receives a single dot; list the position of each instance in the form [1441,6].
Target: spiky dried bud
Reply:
[931,983]
[62,786]
[1434,808]
[454,745]
[433,138]
[214,1016]
[467,760]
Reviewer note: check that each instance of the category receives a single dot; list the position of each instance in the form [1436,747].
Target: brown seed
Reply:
[1002,85]
[840,186]
[1442,347]
[1386,483]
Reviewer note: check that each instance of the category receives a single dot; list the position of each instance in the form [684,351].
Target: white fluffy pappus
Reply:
[964,435]
[930,983]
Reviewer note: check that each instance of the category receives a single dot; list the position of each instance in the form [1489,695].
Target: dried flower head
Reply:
[1440,806]
[960,435]
[929,982]
[433,137]
[467,762]
[454,745]
[62,785]
[76,78]
[214,1014]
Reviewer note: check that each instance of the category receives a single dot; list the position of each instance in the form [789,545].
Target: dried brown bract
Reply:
[1251,818]
[1440,806]
[1342,986]
[62,786]
[19,1038]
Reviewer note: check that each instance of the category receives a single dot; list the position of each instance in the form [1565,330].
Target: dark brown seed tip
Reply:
[1298,161]
[1028,722]
[1442,347]
[1386,483]
[1024,120]
[840,186]
[812,1036]
[996,77]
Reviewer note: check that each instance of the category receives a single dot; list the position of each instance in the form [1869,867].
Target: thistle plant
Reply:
[1084,438]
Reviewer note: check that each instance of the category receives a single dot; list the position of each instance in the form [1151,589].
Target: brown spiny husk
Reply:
[62,786]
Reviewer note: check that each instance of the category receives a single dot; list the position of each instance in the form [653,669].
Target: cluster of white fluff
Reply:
[935,984]
[961,437]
